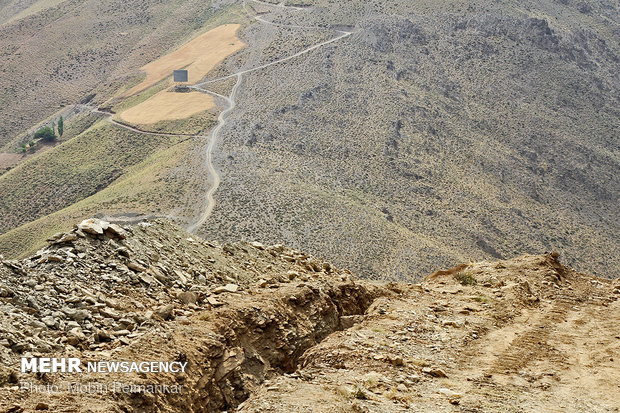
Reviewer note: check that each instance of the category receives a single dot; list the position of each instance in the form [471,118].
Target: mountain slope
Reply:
[60,55]
[433,134]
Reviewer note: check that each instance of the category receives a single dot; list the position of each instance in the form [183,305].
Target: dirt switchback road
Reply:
[209,152]
[230,100]
[231,104]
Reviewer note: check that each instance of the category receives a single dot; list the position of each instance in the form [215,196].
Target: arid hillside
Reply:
[270,329]
[436,133]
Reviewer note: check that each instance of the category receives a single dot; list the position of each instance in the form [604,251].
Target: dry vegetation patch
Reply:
[168,106]
[37,7]
[8,160]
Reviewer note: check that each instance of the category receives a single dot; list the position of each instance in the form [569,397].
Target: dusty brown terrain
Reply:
[531,336]
[268,329]
[198,56]
[8,160]
[491,130]
[66,52]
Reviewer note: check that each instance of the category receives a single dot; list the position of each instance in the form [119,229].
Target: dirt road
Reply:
[231,104]
[524,335]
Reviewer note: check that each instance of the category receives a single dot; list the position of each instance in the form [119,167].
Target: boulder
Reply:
[165,311]
[77,315]
[257,245]
[188,297]
[63,238]
[434,372]
[115,231]
[214,302]
[92,226]
[228,288]
[135,266]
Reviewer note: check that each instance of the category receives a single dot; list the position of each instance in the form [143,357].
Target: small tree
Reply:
[46,134]
[61,126]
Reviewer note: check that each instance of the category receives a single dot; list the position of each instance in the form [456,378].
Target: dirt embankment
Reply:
[237,314]
[527,334]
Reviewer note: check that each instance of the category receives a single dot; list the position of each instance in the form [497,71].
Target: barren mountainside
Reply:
[351,206]
[433,134]
[61,52]
[424,134]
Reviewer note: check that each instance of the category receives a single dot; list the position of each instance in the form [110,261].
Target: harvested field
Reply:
[198,56]
[168,106]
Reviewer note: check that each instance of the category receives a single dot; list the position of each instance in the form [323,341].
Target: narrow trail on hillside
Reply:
[280,5]
[137,130]
[209,152]
[210,204]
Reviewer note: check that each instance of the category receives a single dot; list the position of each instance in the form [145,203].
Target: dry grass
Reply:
[71,171]
[466,278]
[168,106]
[147,187]
[198,56]
[37,7]
[84,54]
[8,160]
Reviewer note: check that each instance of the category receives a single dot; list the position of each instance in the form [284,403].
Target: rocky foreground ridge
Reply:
[269,328]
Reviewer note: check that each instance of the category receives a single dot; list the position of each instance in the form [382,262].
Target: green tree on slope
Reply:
[61,126]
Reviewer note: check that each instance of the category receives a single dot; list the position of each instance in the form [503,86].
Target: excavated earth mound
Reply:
[268,328]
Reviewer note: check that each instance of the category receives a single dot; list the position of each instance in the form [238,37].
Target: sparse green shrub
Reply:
[46,134]
[360,393]
[465,278]
[482,299]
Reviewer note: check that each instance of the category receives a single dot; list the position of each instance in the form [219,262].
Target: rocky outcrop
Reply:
[269,328]
[103,288]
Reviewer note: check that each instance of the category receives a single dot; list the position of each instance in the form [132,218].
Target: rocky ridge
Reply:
[269,328]
[80,283]
[103,286]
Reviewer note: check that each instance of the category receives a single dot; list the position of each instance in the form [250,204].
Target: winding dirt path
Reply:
[281,5]
[303,52]
[136,130]
[209,152]
[231,105]
[230,100]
